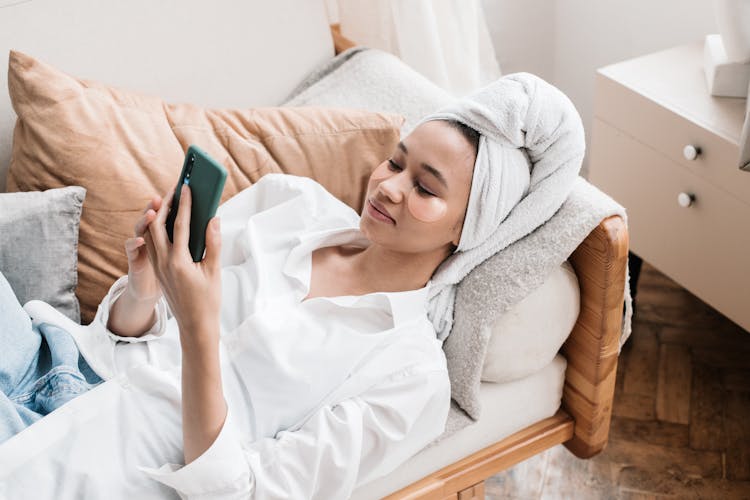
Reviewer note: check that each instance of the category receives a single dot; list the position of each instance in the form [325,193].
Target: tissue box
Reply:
[724,77]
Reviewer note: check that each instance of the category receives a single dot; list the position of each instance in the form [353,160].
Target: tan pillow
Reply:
[124,147]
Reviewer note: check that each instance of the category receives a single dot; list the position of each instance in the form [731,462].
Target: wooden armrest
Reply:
[478,466]
[593,346]
[591,350]
[340,42]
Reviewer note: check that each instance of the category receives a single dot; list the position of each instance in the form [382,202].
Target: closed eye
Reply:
[393,166]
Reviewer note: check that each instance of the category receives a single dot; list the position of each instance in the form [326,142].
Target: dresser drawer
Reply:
[654,124]
[705,247]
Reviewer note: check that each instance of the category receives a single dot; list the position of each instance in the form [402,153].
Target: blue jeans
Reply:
[40,367]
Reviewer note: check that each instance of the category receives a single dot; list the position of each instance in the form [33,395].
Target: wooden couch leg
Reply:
[475,492]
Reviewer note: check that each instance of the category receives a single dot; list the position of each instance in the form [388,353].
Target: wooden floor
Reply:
[681,417]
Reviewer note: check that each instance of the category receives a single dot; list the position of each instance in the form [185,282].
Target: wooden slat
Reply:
[643,361]
[340,42]
[673,388]
[491,460]
[475,492]
[736,408]
[592,348]
[736,379]
[663,469]
[707,409]
[635,406]
[652,432]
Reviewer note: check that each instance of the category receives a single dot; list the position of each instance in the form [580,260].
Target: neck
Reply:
[383,269]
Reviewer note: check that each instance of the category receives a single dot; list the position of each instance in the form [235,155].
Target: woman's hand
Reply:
[192,289]
[132,313]
[193,292]
[142,282]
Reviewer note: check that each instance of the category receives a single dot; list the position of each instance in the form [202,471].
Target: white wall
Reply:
[565,41]
[522,32]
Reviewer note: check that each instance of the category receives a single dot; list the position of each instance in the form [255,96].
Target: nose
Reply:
[391,188]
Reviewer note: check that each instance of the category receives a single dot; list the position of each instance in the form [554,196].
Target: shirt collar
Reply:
[404,306]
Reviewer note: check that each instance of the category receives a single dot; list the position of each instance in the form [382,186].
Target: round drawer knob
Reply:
[691,152]
[685,199]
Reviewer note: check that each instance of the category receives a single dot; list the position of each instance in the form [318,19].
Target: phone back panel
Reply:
[205,177]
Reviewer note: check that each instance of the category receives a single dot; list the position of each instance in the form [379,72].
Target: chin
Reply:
[366,227]
[369,229]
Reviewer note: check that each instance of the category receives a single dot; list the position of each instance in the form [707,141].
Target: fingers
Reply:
[144,221]
[181,232]
[154,203]
[157,227]
[151,251]
[148,215]
[213,244]
[132,245]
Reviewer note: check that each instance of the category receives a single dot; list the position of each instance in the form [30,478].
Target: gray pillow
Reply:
[371,79]
[39,245]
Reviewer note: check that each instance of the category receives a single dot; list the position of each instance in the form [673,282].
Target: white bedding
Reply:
[506,409]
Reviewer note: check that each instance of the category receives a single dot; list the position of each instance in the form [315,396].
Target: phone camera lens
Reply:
[190,167]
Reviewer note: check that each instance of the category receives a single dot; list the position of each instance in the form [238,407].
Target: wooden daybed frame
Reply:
[591,350]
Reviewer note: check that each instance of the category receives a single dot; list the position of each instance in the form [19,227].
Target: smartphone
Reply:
[205,177]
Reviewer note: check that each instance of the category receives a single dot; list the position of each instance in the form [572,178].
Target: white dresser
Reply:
[667,151]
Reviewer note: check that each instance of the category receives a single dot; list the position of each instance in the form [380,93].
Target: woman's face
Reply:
[424,187]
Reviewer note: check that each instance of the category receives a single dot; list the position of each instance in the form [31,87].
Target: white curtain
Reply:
[445,40]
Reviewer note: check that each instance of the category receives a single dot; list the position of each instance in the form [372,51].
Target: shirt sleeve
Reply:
[101,318]
[339,448]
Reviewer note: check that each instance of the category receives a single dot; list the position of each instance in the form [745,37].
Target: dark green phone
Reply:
[205,177]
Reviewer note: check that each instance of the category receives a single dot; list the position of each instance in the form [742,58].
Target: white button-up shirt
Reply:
[323,395]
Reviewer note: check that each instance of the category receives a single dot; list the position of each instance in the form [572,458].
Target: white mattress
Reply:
[506,408]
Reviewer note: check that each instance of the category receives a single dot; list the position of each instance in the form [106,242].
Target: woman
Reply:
[307,344]
[318,442]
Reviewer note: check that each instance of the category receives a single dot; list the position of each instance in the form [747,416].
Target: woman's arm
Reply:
[131,317]
[193,292]
[203,407]
[133,312]
[339,448]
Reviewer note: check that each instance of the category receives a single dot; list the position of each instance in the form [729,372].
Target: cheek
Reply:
[426,209]
[380,173]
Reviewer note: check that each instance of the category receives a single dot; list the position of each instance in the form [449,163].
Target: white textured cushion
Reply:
[526,338]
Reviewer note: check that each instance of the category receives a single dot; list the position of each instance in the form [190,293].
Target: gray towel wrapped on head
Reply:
[530,152]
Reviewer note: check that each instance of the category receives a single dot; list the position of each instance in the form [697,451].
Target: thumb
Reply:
[213,244]
[131,247]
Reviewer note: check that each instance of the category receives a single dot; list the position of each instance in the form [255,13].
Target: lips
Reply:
[380,208]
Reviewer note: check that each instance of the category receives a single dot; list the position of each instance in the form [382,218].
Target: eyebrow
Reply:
[438,175]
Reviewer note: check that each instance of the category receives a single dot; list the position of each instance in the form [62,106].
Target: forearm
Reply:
[130,317]
[203,405]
